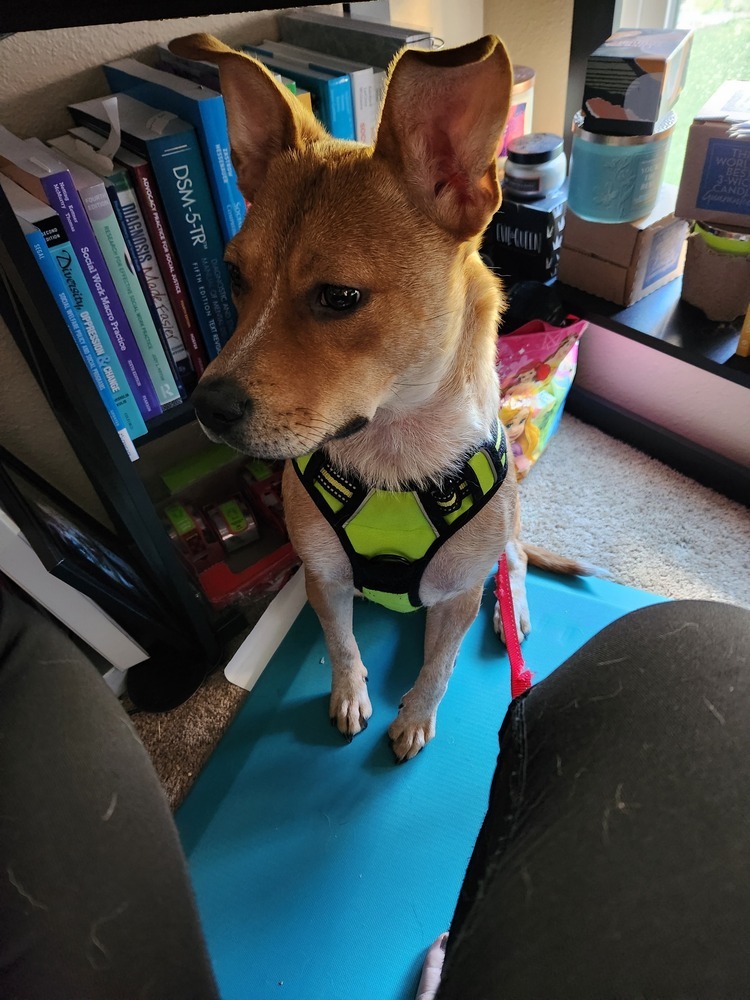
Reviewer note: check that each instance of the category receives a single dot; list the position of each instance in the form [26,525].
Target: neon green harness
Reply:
[390,537]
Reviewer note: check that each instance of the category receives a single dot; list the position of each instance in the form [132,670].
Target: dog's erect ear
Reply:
[264,118]
[440,129]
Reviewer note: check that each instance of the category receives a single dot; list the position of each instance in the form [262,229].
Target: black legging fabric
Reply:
[95,902]
[614,860]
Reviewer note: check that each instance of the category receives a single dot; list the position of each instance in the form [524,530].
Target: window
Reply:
[720,51]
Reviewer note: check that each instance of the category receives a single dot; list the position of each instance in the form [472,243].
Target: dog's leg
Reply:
[350,706]
[447,624]
[517,561]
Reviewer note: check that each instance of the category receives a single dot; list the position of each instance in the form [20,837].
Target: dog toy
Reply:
[520,676]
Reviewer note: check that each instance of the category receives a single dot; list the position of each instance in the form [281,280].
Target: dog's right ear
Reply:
[442,121]
[264,118]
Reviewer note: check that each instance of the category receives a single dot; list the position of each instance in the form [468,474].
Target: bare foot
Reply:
[432,969]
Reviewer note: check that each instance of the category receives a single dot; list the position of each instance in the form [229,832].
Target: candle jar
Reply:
[616,178]
[535,166]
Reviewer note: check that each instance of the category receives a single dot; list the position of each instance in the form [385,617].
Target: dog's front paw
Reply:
[350,706]
[522,618]
[411,730]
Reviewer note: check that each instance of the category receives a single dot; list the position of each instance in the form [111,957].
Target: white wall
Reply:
[537,34]
[455,22]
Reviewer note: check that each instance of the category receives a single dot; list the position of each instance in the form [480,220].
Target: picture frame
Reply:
[74,547]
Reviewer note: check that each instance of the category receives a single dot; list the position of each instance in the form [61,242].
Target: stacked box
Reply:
[715,191]
[629,260]
[634,79]
[522,242]
[715,182]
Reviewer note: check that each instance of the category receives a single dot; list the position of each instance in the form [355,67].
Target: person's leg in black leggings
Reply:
[614,860]
[95,902]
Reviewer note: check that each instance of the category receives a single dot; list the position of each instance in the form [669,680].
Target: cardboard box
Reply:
[715,182]
[634,79]
[717,283]
[522,242]
[629,260]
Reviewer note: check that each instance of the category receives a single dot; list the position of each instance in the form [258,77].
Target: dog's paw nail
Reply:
[362,723]
[348,737]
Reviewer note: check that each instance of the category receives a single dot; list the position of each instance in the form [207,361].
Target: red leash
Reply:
[520,677]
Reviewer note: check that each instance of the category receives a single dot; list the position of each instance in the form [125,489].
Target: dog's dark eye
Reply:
[235,277]
[339,297]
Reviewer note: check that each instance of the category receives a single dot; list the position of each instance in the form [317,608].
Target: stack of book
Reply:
[128,213]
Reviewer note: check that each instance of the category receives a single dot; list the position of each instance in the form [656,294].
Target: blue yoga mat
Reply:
[322,869]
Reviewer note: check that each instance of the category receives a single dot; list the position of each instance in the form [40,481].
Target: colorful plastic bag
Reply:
[536,365]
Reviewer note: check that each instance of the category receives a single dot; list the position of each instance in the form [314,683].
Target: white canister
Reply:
[535,166]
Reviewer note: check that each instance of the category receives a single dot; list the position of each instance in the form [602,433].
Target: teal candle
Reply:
[616,178]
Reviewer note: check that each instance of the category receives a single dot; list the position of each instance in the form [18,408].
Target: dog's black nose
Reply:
[219,404]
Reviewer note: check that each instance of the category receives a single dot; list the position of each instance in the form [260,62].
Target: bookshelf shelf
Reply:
[666,323]
[77,14]
[170,421]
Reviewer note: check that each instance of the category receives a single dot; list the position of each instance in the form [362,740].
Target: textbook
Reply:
[153,214]
[204,109]
[33,165]
[141,254]
[364,87]
[205,73]
[59,265]
[171,147]
[197,70]
[106,226]
[371,42]
[331,93]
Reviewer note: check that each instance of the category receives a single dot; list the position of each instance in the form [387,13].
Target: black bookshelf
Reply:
[18,17]
[40,332]
[666,323]
[175,669]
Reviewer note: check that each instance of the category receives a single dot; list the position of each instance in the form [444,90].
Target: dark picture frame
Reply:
[76,548]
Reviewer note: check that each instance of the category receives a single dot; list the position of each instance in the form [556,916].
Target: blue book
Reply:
[32,165]
[331,93]
[128,211]
[105,223]
[171,146]
[91,177]
[366,81]
[204,109]
[59,265]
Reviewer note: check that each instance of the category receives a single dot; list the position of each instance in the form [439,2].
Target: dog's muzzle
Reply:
[220,404]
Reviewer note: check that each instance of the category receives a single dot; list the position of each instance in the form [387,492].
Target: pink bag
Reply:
[536,365]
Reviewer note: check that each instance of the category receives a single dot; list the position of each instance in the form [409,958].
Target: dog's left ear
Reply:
[264,118]
[440,129]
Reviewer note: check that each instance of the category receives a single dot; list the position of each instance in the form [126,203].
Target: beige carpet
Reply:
[588,496]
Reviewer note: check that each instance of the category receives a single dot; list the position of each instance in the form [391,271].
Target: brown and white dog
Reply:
[367,328]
